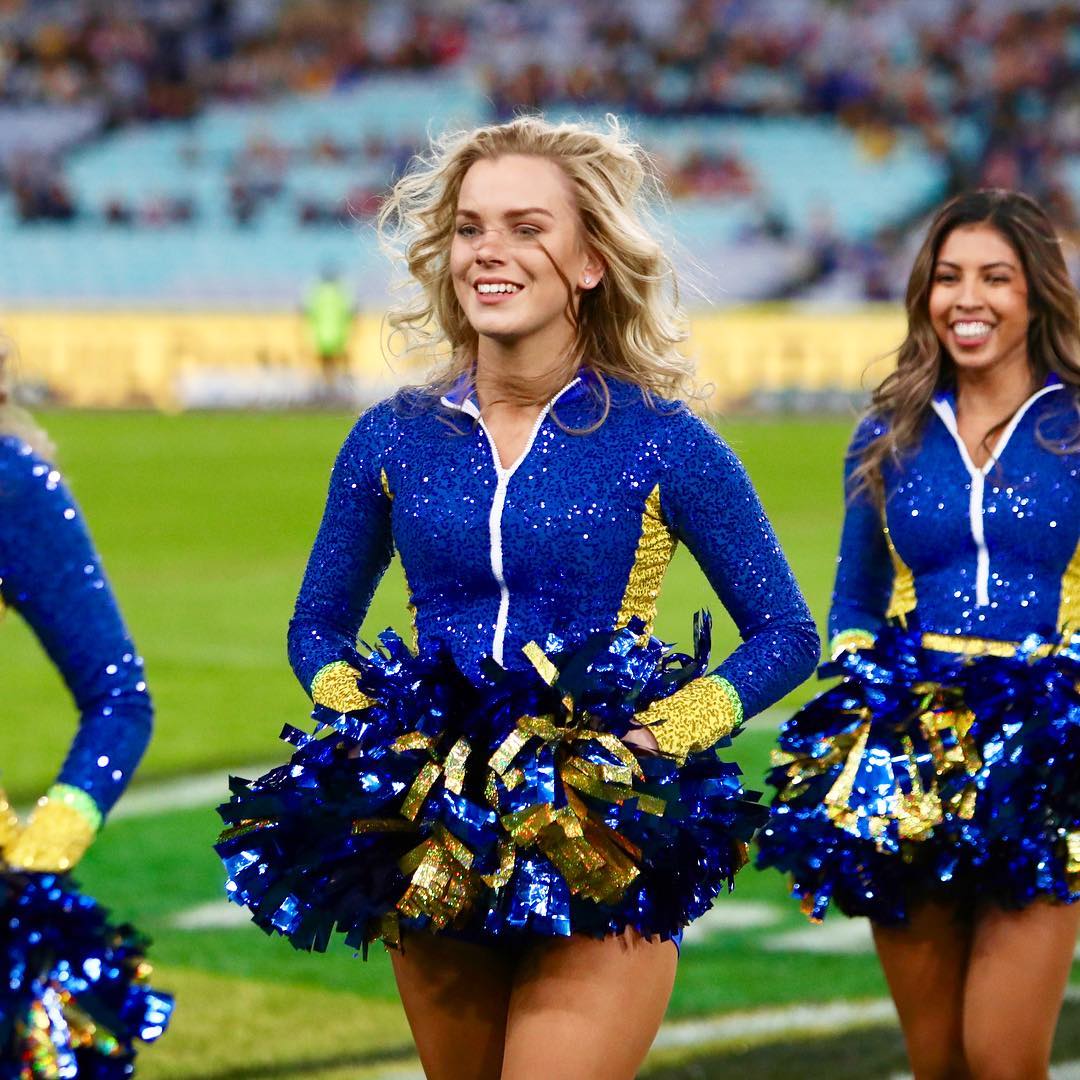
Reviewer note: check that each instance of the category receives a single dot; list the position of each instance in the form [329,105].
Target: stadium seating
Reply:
[812,172]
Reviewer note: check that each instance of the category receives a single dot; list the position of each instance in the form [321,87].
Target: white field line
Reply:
[764,1025]
[727,915]
[184,793]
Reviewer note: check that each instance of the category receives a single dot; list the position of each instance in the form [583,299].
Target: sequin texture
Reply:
[52,576]
[948,758]
[567,542]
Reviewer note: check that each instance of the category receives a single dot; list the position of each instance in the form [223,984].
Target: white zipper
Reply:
[978,484]
[498,504]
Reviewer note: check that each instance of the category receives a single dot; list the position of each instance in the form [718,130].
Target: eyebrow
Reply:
[525,211]
[985,266]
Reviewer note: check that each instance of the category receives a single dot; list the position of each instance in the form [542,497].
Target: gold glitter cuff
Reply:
[335,687]
[695,717]
[849,641]
[10,826]
[59,831]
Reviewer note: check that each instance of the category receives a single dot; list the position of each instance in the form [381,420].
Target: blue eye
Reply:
[467,230]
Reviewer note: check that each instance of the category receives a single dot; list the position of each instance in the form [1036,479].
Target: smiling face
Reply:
[517,243]
[979,301]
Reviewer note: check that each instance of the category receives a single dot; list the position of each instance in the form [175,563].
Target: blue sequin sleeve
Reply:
[708,500]
[51,574]
[863,568]
[351,552]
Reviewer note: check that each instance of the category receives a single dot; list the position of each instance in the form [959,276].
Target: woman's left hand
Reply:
[641,739]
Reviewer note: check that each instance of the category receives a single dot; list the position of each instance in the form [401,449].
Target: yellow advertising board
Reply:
[115,359]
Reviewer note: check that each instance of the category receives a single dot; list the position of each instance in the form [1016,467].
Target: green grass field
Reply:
[204,523]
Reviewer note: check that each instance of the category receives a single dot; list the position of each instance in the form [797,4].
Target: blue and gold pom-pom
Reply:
[489,810]
[75,997]
[930,772]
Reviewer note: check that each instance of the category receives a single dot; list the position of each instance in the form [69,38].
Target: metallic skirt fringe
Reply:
[932,773]
[490,811]
[75,996]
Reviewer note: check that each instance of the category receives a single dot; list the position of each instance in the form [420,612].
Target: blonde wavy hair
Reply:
[923,365]
[631,326]
[15,420]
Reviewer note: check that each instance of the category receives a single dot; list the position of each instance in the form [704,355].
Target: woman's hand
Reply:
[642,740]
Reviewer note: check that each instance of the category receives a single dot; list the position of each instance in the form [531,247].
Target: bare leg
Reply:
[1019,967]
[456,996]
[583,1009]
[925,964]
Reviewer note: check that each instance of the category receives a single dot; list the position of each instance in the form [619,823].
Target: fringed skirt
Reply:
[75,997]
[932,774]
[490,811]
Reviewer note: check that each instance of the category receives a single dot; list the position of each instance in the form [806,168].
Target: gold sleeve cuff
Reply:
[335,687]
[695,717]
[10,826]
[849,641]
[61,828]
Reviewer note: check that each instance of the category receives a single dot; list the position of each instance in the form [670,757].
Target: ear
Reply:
[591,273]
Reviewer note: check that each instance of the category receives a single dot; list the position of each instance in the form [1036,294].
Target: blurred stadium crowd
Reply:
[964,92]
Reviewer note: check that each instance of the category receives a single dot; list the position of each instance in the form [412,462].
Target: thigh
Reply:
[925,964]
[587,1009]
[1020,963]
[456,996]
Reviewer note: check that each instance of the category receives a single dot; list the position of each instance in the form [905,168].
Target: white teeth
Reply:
[971,329]
[496,287]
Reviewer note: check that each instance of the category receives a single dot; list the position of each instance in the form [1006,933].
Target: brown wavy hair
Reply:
[631,326]
[923,364]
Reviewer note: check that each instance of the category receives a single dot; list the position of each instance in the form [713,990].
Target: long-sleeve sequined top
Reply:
[572,539]
[990,553]
[51,575]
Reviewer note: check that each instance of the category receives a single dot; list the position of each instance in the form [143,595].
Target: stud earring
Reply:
[588,280]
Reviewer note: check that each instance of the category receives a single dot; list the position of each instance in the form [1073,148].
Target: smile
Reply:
[488,288]
[973,330]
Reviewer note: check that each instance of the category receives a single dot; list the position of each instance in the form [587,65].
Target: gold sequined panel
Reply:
[655,547]
[903,597]
[1069,609]
[408,588]
[975,646]
[335,687]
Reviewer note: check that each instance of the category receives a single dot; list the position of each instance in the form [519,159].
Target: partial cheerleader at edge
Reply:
[490,810]
[930,773]
[76,996]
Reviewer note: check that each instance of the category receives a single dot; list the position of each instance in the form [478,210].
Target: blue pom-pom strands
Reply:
[927,771]
[490,807]
[76,997]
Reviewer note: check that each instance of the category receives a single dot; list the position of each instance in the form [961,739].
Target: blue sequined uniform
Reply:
[74,997]
[484,782]
[495,558]
[949,757]
[51,575]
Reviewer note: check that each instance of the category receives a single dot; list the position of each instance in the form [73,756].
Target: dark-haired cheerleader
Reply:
[936,788]
[74,996]
[532,806]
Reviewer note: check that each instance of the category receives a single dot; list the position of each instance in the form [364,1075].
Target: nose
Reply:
[488,246]
[970,296]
